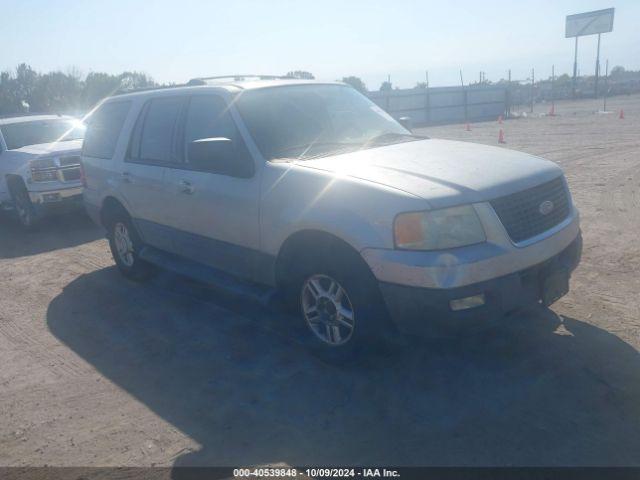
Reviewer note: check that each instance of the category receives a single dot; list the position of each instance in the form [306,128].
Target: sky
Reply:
[174,41]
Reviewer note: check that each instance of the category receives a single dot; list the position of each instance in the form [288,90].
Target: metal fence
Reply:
[440,105]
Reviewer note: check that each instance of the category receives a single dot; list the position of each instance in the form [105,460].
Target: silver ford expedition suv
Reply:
[311,190]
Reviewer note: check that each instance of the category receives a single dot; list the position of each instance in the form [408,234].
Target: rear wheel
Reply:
[125,244]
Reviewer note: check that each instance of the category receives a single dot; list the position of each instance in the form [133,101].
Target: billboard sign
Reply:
[589,23]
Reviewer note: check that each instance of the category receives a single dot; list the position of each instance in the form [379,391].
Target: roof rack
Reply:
[237,78]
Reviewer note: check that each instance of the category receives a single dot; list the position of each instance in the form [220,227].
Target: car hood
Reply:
[443,172]
[48,148]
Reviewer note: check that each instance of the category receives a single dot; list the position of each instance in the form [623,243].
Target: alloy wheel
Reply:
[124,245]
[327,310]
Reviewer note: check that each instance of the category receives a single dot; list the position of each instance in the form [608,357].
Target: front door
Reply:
[216,214]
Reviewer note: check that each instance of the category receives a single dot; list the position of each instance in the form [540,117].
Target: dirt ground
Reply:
[99,371]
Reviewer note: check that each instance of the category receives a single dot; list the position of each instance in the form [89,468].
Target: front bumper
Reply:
[457,267]
[426,310]
[55,196]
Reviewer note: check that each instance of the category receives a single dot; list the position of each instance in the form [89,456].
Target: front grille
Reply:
[71,174]
[520,212]
[71,160]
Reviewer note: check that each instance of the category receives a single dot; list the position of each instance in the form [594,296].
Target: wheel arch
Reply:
[110,207]
[317,241]
[13,180]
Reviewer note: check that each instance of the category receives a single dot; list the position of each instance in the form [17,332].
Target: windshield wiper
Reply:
[309,146]
[391,136]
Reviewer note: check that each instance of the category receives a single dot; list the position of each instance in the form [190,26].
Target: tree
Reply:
[386,87]
[421,85]
[9,102]
[356,83]
[301,74]
[25,90]
[131,80]
[617,71]
[97,86]
[24,86]
[56,92]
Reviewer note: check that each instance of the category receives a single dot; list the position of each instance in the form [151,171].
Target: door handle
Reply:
[186,187]
[126,177]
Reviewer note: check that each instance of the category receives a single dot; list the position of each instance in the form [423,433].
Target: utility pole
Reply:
[597,66]
[427,99]
[553,91]
[466,99]
[575,70]
[532,82]
[508,98]
[388,92]
[606,84]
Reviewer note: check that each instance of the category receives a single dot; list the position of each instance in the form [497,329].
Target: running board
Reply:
[230,284]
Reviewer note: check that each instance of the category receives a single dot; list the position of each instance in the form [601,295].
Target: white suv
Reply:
[311,190]
[39,165]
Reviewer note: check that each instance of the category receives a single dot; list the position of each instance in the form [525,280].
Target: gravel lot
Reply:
[99,371]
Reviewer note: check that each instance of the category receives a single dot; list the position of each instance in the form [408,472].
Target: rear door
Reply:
[216,214]
[152,148]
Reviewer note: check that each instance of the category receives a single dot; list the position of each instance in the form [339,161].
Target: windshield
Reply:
[20,134]
[303,121]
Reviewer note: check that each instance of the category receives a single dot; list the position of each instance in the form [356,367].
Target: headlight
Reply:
[438,229]
[43,170]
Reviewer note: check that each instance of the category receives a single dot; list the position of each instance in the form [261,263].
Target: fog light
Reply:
[467,302]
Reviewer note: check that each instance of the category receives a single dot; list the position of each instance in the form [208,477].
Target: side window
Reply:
[104,128]
[156,131]
[208,117]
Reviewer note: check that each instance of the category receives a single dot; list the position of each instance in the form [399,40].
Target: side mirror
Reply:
[216,155]
[406,123]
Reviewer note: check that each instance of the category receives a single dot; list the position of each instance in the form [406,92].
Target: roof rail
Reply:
[237,78]
[33,114]
[203,81]
[124,91]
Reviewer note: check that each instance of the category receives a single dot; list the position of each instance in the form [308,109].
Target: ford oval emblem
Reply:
[546,207]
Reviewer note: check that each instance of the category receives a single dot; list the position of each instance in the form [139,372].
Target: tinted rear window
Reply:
[104,129]
[157,140]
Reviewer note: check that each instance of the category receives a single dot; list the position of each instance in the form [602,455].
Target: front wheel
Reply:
[327,310]
[25,210]
[341,308]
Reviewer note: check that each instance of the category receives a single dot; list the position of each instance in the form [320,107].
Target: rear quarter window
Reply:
[104,128]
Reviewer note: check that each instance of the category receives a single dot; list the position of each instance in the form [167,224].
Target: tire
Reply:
[25,210]
[338,302]
[125,244]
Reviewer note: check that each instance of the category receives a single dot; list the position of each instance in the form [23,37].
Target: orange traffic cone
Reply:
[500,119]
[501,137]
[621,116]
[467,128]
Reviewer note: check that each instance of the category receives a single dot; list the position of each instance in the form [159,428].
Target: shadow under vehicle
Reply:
[540,390]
